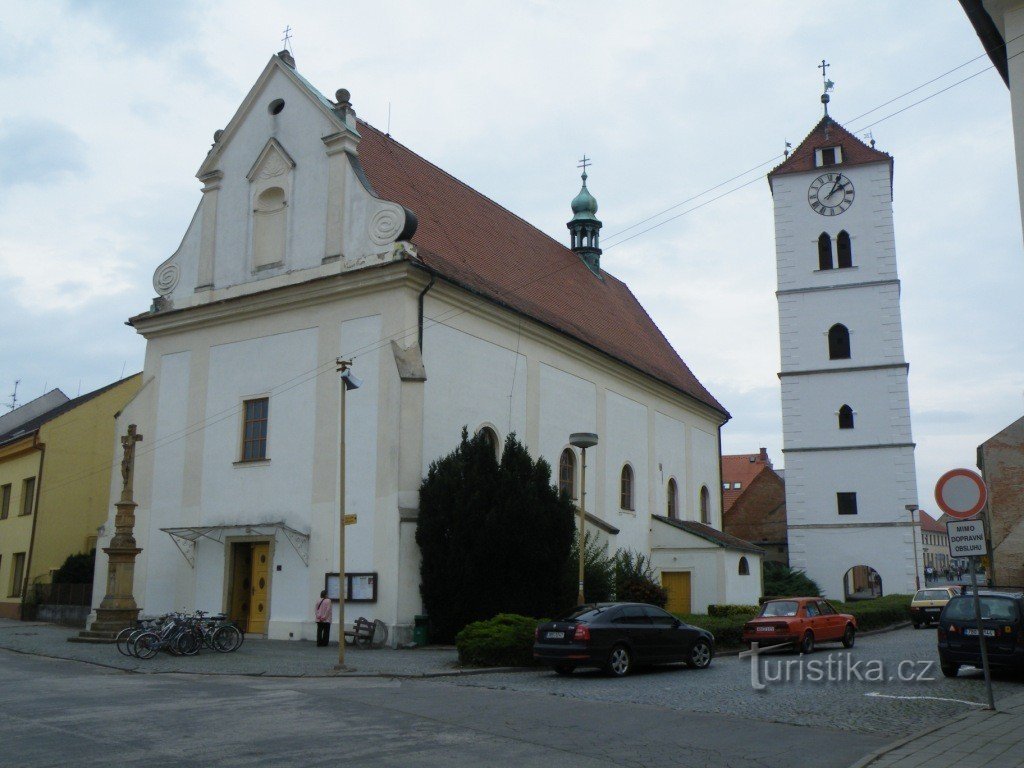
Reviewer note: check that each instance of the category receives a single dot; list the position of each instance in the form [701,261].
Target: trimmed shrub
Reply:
[782,581]
[746,611]
[728,630]
[634,580]
[504,641]
[878,612]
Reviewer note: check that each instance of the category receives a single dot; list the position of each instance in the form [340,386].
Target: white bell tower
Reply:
[847,440]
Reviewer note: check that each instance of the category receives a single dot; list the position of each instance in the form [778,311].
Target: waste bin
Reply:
[420,635]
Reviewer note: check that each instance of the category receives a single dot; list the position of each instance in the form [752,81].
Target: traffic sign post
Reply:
[961,493]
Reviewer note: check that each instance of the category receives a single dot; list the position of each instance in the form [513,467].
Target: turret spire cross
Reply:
[583,164]
[287,39]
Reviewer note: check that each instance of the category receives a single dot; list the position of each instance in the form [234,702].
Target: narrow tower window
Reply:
[846,503]
[567,473]
[846,417]
[626,488]
[838,342]
[824,251]
[672,500]
[844,252]
[705,505]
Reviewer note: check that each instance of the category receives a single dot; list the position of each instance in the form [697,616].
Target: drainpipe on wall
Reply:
[41,447]
[423,293]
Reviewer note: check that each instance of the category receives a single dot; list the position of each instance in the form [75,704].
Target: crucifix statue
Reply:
[128,442]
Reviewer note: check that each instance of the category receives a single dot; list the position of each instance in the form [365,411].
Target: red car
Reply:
[801,622]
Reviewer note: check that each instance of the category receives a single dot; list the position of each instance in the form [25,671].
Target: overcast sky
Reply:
[110,107]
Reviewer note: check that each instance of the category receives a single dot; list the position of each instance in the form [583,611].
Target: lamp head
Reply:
[351,380]
[583,439]
[911,507]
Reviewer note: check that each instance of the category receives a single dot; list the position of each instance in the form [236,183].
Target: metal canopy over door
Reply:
[677,584]
[259,605]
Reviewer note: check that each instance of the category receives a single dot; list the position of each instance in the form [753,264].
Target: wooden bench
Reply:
[364,632]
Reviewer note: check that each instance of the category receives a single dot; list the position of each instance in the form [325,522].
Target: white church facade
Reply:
[850,472]
[319,237]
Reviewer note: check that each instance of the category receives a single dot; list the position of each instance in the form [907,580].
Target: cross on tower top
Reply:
[824,69]
[287,39]
[583,164]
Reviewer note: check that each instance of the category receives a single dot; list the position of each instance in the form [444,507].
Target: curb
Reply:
[881,752]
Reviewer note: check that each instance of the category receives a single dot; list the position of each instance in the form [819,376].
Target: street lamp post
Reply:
[912,508]
[348,381]
[583,440]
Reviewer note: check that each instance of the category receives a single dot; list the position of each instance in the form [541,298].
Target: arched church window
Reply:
[838,342]
[846,417]
[567,473]
[824,251]
[626,488]
[268,232]
[744,567]
[705,505]
[672,500]
[491,438]
[844,251]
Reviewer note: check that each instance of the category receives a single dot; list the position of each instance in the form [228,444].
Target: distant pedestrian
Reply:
[323,619]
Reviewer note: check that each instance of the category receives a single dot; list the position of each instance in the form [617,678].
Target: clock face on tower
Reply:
[830,194]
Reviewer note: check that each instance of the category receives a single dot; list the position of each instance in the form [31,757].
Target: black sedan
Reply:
[618,636]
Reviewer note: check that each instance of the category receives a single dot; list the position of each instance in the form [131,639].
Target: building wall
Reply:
[74,491]
[17,462]
[759,516]
[1001,459]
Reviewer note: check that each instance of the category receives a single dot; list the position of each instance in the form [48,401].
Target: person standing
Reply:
[324,610]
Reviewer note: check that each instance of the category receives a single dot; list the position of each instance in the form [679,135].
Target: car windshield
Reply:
[585,613]
[932,594]
[995,608]
[780,608]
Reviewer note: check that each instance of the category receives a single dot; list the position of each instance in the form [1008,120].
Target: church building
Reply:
[850,474]
[319,238]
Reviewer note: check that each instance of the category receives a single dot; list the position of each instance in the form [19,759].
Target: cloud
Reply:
[39,151]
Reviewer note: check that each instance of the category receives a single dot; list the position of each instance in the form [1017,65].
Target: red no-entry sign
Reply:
[961,493]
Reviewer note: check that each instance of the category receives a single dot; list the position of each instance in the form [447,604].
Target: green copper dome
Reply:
[584,205]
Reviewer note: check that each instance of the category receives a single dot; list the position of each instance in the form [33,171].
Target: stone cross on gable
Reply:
[128,442]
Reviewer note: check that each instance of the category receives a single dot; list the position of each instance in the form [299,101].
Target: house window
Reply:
[705,504]
[567,473]
[5,501]
[824,251]
[844,252]
[744,567]
[846,502]
[254,433]
[828,156]
[838,342]
[725,486]
[846,417]
[17,575]
[672,500]
[626,488]
[737,486]
[28,497]
[491,438]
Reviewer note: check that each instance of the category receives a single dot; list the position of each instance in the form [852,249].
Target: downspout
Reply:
[41,447]
[423,294]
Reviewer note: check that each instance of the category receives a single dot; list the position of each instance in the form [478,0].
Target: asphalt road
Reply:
[59,713]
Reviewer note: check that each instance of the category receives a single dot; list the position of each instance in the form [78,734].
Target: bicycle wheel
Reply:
[130,643]
[146,645]
[122,640]
[186,644]
[227,639]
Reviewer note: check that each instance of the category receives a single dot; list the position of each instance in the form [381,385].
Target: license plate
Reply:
[974,632]
[554,635]
[766,629]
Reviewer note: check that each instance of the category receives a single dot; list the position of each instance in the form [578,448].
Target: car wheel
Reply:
[807,643]
[917,624]
[849,636]
[620,661]
[700,655]
[950,670]
[564,669]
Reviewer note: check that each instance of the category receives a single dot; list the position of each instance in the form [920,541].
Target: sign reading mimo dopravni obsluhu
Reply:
[966,538]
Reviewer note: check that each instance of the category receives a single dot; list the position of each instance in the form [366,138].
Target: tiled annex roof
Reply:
[472,241]
[710,534]
[742,469]
[929,523]
[855,151]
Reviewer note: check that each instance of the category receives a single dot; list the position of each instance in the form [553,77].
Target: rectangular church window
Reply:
[847,503]
[254,430]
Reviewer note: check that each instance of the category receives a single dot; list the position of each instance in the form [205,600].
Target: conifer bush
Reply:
[504,641]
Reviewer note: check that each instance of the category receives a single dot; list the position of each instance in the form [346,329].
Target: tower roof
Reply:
[829,133]
[584,205]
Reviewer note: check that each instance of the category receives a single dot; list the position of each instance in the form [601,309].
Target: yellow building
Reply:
[54,487]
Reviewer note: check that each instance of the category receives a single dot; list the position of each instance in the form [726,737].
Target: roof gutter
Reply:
[422,296]
[989,35]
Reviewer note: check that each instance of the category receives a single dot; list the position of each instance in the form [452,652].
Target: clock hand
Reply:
[835,187]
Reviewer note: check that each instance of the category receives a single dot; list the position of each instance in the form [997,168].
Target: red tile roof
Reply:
[743,469]
[474,242]
[929,523]
[855,151]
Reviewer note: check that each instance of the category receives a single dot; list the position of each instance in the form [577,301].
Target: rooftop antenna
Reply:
[123,366]
[14,396]
[870,137]
[388,131]
[287,39]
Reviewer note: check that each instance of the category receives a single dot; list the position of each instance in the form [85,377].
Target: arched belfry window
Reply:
[846,417]
[626,488]
[844,251]
[269,218]
[838,342]
[824,251]
[491,438]
[567,473]
[705,505]
[744,567]
[672,500]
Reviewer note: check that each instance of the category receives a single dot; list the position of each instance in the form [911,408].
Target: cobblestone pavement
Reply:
[892,708]
[289,658]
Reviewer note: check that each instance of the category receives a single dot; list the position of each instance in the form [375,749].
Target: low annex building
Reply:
[55,455]
[319,237]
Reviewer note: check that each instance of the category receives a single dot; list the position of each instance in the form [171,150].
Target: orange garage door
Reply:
[677,584]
